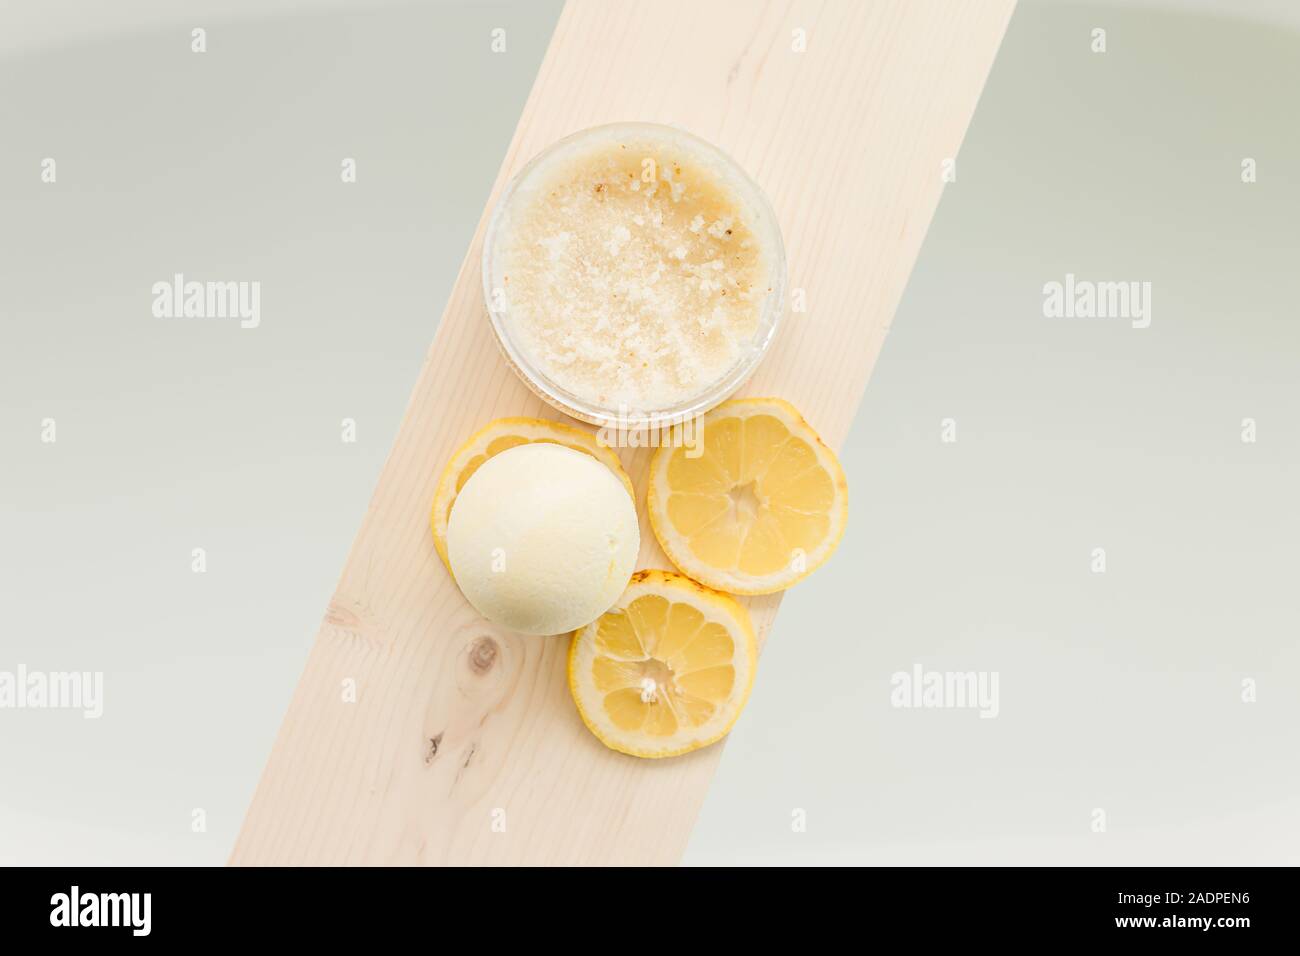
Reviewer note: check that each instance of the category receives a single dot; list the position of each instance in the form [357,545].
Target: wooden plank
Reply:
[463,746]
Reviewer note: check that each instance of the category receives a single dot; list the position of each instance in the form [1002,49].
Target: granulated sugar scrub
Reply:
[633,272]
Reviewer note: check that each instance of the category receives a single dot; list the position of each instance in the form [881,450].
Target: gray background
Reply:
[1119,691]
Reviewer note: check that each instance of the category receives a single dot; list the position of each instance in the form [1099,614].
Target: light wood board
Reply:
[463,746]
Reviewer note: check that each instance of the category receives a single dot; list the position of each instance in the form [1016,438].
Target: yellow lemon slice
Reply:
[666,670]
[493,439]
[762,504]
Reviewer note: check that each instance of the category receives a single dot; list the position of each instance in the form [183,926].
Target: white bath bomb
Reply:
[542,539]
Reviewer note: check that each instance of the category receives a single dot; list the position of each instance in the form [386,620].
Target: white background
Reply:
[1119,691]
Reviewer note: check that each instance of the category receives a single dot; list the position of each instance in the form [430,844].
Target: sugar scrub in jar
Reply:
[633,271]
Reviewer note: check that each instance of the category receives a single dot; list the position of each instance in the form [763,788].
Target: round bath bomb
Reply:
[542,539]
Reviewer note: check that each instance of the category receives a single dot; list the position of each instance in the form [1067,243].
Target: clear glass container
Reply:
[759,217]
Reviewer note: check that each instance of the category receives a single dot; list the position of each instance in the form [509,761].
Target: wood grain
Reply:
[463,746]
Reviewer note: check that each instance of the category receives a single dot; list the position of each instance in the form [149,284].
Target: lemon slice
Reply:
[666,670]
[493,439]
[760,508]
